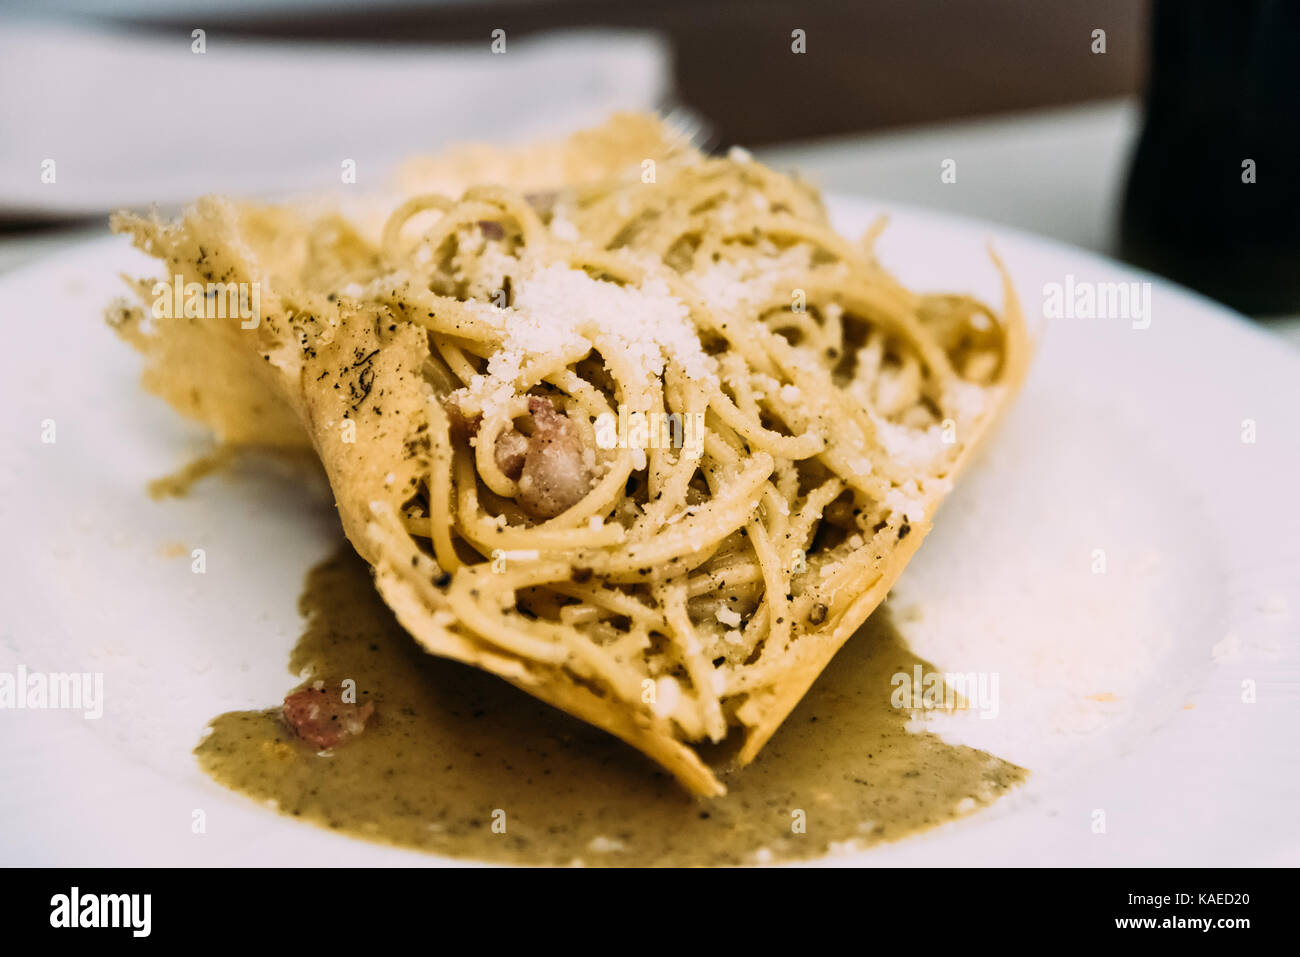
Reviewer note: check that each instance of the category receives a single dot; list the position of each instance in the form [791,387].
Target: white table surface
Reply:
[1058,173]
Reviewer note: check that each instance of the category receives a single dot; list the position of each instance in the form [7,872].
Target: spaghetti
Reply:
[526,492]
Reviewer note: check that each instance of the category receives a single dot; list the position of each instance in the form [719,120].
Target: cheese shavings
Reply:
[558,309]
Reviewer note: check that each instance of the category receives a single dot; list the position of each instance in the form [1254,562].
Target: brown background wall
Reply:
[870,63]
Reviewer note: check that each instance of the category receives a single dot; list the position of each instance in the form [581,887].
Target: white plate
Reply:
[1121,691]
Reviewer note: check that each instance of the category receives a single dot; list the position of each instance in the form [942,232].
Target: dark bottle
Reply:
[1213,197]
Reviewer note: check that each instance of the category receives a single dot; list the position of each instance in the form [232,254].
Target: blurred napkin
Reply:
[131,120]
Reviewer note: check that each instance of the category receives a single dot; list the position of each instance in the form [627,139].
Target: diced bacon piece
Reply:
[511,452]
[556,472]
[321,717]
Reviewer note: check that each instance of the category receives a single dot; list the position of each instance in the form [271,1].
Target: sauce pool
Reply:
[460,763]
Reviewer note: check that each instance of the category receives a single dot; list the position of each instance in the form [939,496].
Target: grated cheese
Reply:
[728,617]
[914,449]
[561,310]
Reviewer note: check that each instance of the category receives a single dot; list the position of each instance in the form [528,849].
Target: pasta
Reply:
[648,439]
